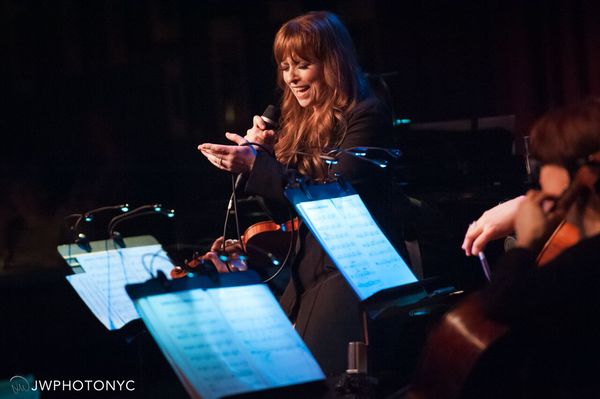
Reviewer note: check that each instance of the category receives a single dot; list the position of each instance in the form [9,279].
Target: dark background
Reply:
[105,102]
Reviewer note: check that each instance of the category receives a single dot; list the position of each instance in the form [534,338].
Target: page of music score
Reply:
[225,341]
[102,286]
[355,243]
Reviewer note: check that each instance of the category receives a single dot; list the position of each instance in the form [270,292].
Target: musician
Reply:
[326,103]
[555,308]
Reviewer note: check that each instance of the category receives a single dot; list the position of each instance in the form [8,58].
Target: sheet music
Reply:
[228,340]
[356,244]
[102,286]
[267,335]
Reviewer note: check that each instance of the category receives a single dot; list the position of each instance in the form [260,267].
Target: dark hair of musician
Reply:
[566,135]
[317,37]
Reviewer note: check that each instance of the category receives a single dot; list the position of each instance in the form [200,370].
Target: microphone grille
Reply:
[271,116]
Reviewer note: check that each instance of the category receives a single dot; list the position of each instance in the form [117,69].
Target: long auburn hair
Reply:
[565,135]
[306,132]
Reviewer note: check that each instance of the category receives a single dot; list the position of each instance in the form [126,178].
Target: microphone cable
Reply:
[287,255]
[231,208]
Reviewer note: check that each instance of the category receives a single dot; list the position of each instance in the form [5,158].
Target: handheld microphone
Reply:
[271,118]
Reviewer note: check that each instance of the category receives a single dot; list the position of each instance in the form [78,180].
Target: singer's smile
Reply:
[303,78]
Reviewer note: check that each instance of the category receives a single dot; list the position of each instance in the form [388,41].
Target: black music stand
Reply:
[379,276]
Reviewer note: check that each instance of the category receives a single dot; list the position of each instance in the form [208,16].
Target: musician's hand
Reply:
[178,272]
[233,264]
[232,158]
[230,247]
[232,250]
[259,133]
[494,223]
[534,223]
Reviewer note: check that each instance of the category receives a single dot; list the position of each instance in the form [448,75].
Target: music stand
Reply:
[380,278]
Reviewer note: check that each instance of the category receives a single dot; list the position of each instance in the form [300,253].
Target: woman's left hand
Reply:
[534,223]
[232,158]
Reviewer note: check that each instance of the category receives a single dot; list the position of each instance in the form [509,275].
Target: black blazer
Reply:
[318,300]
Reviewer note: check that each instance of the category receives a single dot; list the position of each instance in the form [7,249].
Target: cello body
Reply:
[453,349]
[456,345]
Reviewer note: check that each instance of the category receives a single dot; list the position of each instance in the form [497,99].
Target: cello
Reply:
[456,344]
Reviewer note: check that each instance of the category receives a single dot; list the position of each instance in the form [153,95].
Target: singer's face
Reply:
[302,77]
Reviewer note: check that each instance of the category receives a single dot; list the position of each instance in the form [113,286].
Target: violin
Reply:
[267,243]
[264,245]
[458,341]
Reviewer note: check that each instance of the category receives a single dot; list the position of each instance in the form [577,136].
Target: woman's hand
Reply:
[494,223]
[233,251]
[232,158]
[259,133]
[533,223]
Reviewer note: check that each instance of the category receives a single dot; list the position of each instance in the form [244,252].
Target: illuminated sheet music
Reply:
[225,341]
[356,244]
[102,286]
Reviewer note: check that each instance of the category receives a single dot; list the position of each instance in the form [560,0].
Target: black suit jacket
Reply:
[318,299]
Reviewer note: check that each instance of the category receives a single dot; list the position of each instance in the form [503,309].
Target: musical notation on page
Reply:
[102,286]
[224,341]
[356,244]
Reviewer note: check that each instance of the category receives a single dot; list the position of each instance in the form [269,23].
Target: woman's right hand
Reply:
[259,133]
[232,250]
[494,223]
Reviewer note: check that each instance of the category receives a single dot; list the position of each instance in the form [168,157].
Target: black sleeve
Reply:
[501,298]
[267,178]
[521,292]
